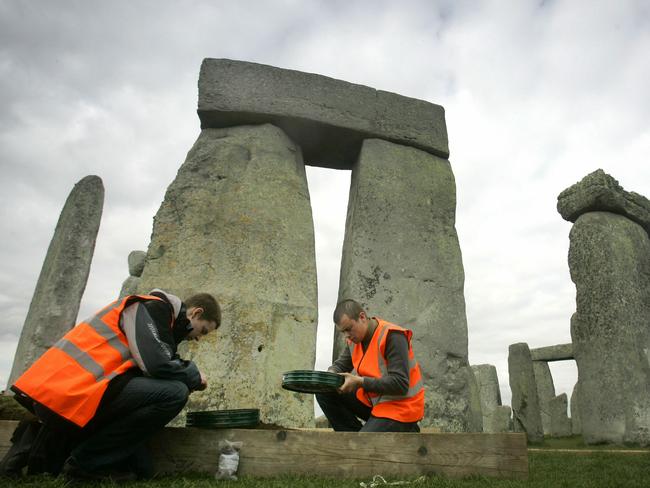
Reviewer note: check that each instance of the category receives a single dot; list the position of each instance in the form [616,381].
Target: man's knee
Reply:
[325,399]
[178,393]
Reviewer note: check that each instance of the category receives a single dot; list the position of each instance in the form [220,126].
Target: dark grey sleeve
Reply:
[343,363]
[396,382]
[152,354]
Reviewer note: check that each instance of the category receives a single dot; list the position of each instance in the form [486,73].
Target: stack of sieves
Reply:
[224,419]
[307,381]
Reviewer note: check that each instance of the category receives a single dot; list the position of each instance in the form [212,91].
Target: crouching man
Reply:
[113,381]
[383,382]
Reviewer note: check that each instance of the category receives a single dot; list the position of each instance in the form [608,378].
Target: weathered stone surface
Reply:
[402,260]
[490,395]
[130,286]
[136,262]
[476,412]
[545,392]
[576,425]
[609,260]
[500,420]
[598,191]
[560,422]
[559,352]
[525,404]
[328,118]
[55,304]
[236,222]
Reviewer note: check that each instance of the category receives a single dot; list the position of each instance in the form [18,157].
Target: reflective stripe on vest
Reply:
[71,377]
[404,408]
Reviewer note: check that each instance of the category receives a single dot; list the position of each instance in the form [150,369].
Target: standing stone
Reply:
[576,425]
[136,265]
[476,413]
[136,262]
[55,303]
[525,404]
[402,260]
[609,260]
[237,223]
[560,423]
[490,395]
[545,392]
[500,419]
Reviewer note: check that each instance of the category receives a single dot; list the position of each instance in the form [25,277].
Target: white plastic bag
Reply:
[228,460]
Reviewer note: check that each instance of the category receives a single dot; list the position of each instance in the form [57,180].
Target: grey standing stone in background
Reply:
[576,424]
[136,262]
[490,395]
[500,419]
[236,222]
[609,260]
[327,118]
[560,422]
[598,191]
[545,392]
[55,303]
[476,412]
[402,260]
[136,265]
[525,404]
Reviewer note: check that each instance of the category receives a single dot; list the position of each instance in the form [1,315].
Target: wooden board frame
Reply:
[329,454]
[270,453]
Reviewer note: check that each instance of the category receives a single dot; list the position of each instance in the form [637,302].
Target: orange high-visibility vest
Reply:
[403,408]
[71,377]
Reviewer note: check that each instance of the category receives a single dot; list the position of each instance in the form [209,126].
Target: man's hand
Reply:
[204,383]
[351,383]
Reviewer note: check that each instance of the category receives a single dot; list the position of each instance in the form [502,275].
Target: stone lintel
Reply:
[598,191]
[326,117]
[559,352]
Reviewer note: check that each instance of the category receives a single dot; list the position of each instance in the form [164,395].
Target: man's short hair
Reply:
[209,304]
[347,307]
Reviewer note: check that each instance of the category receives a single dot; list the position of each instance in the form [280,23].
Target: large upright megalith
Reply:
[545,392]
[525,403]
[60,286]
[237,222]
[402,260]
[490,395]
[609,260]
[560,425]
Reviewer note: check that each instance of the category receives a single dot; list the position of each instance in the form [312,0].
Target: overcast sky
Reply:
[537,95]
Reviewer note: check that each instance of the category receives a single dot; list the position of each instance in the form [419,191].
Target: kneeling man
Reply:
[383,382]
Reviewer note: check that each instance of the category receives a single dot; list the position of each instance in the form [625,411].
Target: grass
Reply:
[548,469]
[576,442]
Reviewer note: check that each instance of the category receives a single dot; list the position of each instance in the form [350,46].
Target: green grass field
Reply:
[548,469]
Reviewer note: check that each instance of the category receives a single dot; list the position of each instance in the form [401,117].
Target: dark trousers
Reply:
[121,427]
[345,412]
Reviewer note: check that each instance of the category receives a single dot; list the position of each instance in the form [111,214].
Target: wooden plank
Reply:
[268,453]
